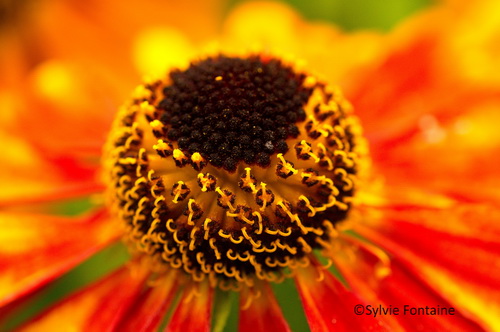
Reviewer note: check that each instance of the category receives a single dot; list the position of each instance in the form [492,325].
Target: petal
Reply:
[458,141]
[473,255]
[149,309]
[194,311]
[396,89]
[399,288]
[329,306]
[403,288]
[464,267]
[29,177]
[98,307]
[35,249]
[473,221]
[262,314]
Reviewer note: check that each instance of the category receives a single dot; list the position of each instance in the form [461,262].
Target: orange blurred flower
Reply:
[423,228]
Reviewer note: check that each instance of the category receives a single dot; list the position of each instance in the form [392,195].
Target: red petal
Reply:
[263,314]
[147,312]
[98,307]
[329,306]
[404,288]
[194,311]
[35,249]
[401,289]
[468,243]
[461,262]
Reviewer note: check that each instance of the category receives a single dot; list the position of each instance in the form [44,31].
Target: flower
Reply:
[421,228]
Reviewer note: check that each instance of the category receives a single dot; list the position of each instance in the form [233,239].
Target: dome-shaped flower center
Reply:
[233,169]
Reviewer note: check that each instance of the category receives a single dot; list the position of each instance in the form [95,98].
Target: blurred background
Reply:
[354,14]
[350,15]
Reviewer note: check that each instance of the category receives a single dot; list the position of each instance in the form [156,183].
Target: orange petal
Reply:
[329,306]
[463,266]
[149,309]
[263,314]
[35,249]
[194,311]
[98,307]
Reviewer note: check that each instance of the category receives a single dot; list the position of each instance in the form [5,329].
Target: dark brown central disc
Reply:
[233,109]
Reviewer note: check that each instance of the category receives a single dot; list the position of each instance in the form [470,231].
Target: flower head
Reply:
[234,169]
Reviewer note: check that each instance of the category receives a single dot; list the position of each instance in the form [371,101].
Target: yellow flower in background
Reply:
[260,150]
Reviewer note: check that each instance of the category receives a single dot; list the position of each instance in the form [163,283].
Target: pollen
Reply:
[233,170]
